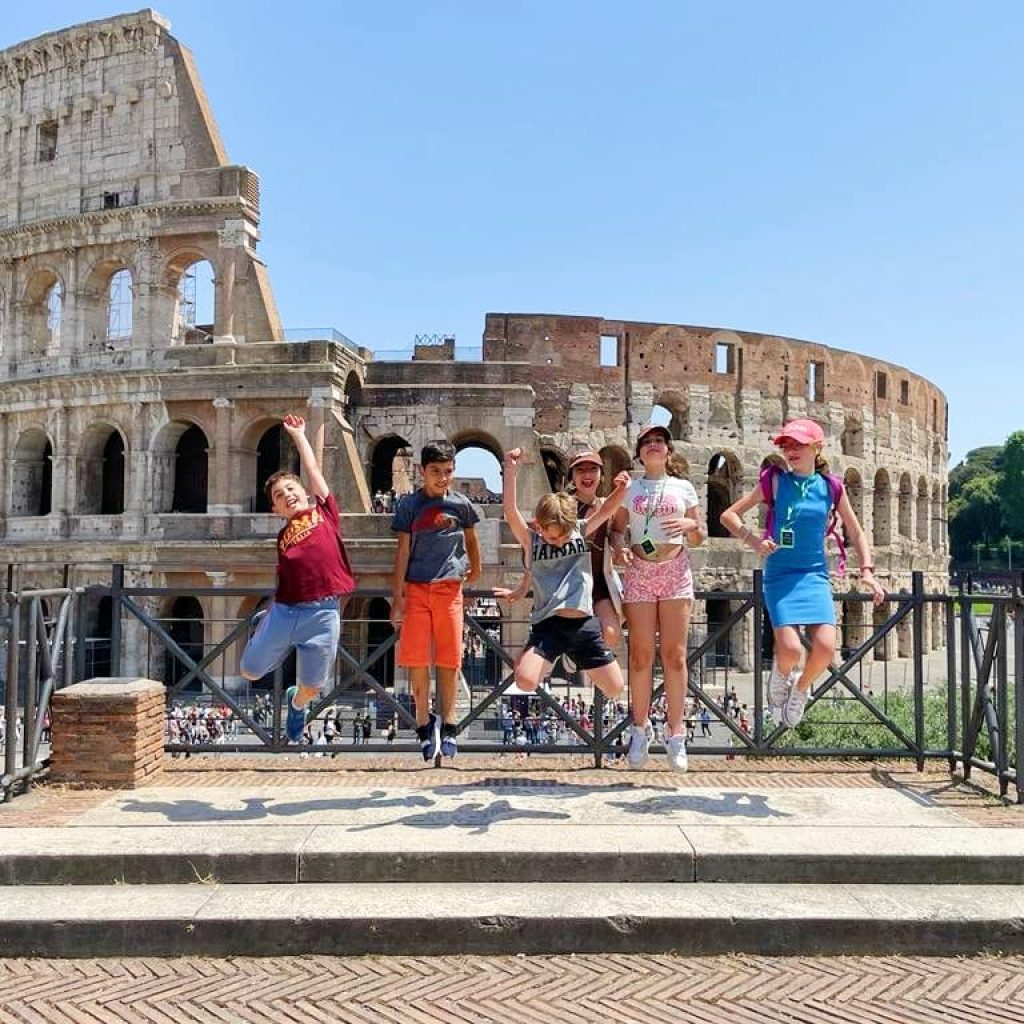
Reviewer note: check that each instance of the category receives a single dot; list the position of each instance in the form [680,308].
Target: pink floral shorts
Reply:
[658,581]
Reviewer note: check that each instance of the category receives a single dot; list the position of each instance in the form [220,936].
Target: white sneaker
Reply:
[640,737]
[675,748]
[793,710]
[779,687]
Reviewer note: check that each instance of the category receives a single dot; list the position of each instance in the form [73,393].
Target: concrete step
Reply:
[510,851]
[502,918]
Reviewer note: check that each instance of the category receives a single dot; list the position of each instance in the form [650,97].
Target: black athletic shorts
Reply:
[580,638]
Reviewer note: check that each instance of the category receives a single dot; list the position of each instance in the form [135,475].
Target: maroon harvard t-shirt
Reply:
[311,559]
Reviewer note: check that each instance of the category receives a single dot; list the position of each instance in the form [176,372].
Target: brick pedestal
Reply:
[108,732]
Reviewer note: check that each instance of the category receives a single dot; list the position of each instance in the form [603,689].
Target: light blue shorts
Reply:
[312,628]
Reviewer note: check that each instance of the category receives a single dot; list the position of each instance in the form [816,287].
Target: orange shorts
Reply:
[431,631]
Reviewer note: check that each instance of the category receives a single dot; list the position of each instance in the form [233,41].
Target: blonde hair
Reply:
[820,464]
[558,509]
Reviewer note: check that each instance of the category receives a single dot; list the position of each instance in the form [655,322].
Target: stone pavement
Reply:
[505,854]
[625,989]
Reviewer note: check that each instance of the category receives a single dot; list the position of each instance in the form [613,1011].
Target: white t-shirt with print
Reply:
[650,501]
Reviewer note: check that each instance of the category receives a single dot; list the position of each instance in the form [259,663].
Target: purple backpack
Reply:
[769,481]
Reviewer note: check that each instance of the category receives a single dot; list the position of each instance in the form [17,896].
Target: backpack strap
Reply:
[769,483]
[835,490]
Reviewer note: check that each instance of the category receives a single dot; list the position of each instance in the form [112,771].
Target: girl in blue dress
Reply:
[797,590]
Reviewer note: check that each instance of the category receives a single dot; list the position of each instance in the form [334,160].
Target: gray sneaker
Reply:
[675,748]
[793,710]
[779,687]
[640,737]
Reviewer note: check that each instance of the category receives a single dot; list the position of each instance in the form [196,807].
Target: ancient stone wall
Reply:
[132,431]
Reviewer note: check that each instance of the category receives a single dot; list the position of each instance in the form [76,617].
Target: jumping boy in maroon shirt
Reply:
[312,574]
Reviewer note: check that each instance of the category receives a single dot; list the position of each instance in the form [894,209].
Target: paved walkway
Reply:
[516,990]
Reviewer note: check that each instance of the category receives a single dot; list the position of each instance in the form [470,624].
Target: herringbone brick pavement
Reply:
[515,990]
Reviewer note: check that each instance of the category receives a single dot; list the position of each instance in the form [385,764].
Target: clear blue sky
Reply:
[847,173]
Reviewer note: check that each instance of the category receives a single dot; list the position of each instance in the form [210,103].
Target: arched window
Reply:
[882,510]
[54,313]
[193,323]
[478,472]
[723,478]
[391,466]
[119,306]
[906,501]
[32,484]
[112,487]
[922,510]
[190,472]
[274,452]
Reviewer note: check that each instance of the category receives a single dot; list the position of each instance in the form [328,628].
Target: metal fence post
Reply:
[758,586]
[917,627]
[11,703]
[116,593]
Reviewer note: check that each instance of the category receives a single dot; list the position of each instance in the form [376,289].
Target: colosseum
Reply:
[144,369]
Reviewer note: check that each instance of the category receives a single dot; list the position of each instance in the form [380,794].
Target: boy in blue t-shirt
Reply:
[438,552]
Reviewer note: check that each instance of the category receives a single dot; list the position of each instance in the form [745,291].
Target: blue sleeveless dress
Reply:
[797,591]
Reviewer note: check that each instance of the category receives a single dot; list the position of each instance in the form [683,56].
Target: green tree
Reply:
[975,516]
[1011,484]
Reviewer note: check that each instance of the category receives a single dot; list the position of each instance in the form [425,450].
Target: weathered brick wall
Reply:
[108,732]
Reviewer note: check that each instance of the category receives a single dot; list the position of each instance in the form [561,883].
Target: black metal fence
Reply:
[966,713]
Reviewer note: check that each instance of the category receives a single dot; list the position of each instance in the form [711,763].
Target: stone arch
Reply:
[881,511]
[676,404]
[274,452]
[44,305]
[854,487]
[191,273]
[180,465]
[186,626]
[852,439]
[32,475]
[480,441]
[353,395]
[922,510]
[938,524]
[725,477]
[906,501]
[107,300]
[555,466]
[391,465]
[100,475]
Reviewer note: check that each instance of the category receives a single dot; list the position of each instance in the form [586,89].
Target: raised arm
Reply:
[295,426]
[513,516]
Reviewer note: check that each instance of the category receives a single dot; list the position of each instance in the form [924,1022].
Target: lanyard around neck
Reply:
[802,487]
[652,504]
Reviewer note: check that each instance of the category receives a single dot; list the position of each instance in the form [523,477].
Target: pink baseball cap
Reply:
[804,431]
[587,458]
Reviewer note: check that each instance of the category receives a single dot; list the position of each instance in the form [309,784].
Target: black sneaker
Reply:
[449,744]
[430,737]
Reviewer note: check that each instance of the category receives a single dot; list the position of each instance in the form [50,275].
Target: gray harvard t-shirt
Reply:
[562,577]
[437,544]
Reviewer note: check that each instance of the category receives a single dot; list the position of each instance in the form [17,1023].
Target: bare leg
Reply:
[447,690]
[642,618]
[531,668]
[823,649]
[673,630]
[419,683]
[787,649]
[608,679]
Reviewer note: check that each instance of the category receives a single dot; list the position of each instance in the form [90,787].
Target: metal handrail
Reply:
[982,708]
